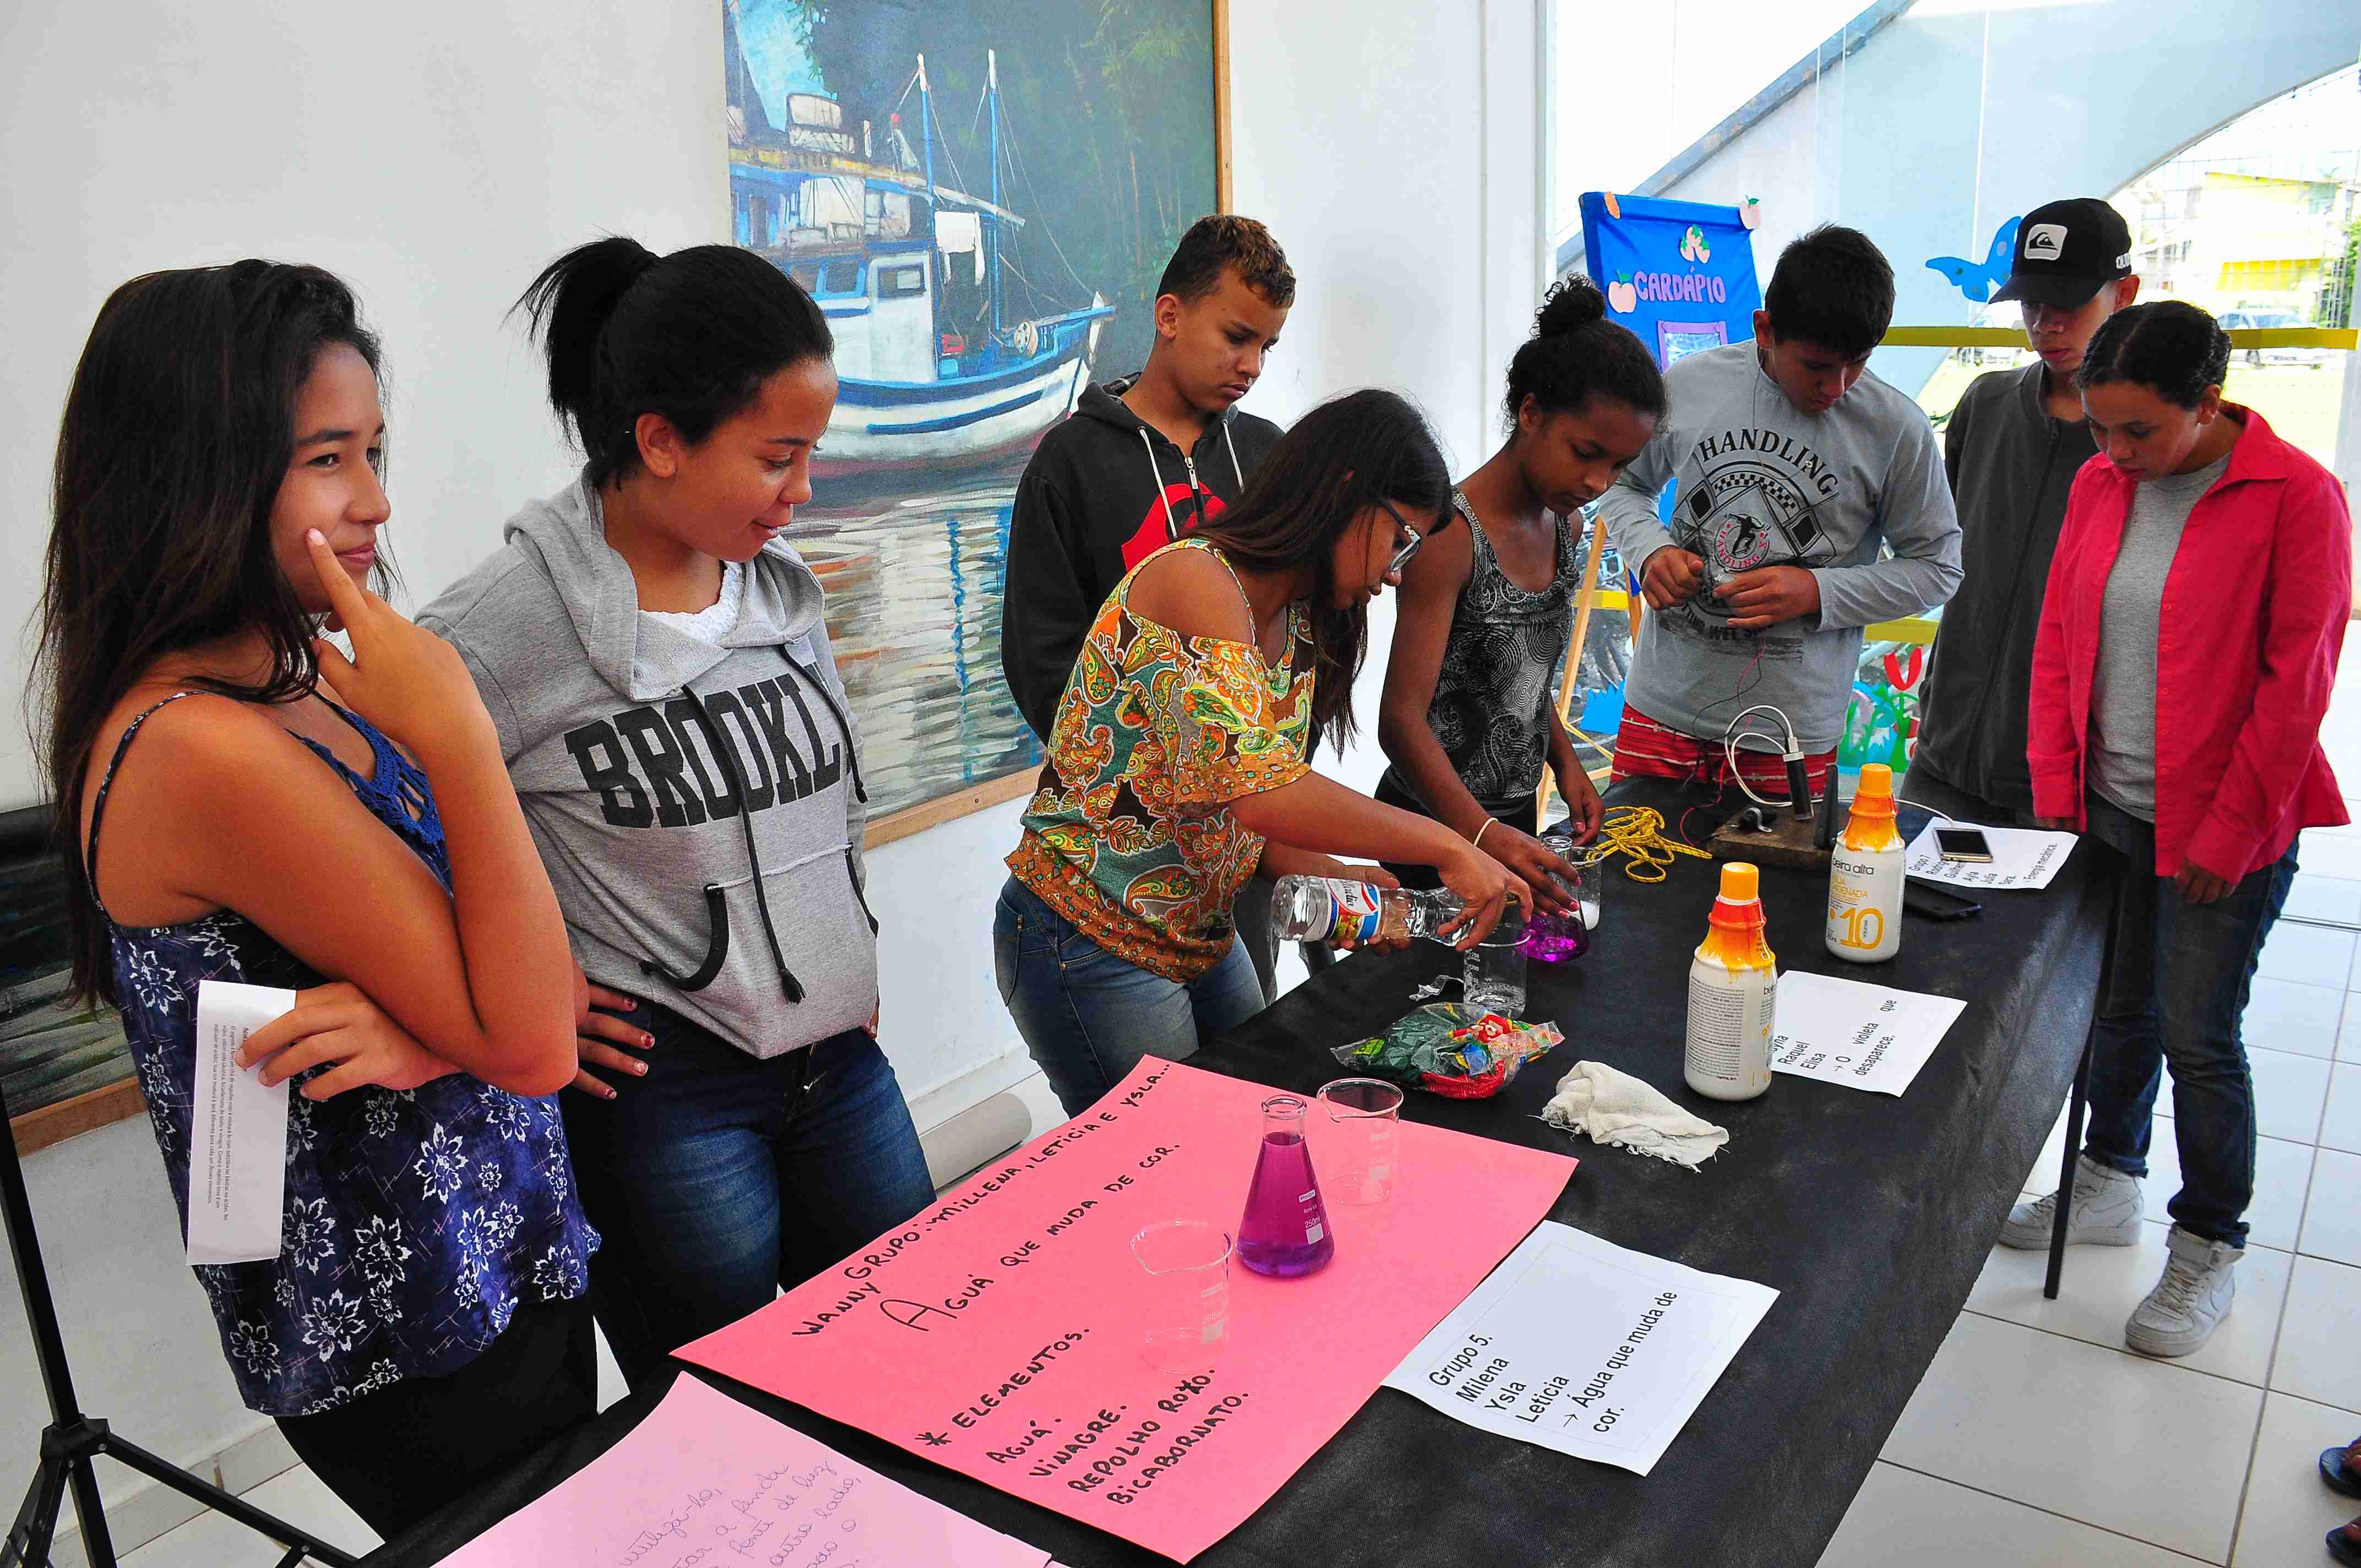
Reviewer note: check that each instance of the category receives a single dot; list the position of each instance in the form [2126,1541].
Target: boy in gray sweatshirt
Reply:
[2012,449]
[1792,466]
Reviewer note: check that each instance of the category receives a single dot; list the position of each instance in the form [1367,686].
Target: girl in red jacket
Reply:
[2187,651]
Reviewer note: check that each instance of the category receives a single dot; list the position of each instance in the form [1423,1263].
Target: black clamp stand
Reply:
[73,1440]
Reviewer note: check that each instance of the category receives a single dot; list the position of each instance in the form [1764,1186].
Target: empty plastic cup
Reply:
[1187,1298]
[1493,968]
[1358,1141]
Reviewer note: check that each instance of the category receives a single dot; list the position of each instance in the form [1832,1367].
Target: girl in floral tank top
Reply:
[1176,764]
[1470,718]
[222,818]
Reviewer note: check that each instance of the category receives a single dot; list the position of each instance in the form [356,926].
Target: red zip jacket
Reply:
[2254,615]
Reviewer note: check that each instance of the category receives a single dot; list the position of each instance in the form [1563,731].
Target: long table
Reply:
[1871,1215]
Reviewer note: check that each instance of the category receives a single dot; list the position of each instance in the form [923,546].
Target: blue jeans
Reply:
[1089,1016]
[718,1179]
[2181,975]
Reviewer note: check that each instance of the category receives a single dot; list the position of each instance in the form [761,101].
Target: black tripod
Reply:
[73,1438]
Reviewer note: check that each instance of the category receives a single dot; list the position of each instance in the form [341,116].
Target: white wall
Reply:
[436,162]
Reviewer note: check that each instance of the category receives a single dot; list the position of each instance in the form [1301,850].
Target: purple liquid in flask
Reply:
[1285,1232]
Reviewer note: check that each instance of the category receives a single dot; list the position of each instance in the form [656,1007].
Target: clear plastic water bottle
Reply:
[1324,909]
[1285,1231]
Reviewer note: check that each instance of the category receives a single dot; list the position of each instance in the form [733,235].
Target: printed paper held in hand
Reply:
[1862,1036]
[2023,858]
[1586,1347]
[705,1479]
[237,1130]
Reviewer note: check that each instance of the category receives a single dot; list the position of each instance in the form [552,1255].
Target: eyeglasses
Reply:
[1401,557]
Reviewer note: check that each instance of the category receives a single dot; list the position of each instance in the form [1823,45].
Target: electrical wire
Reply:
[1793,751]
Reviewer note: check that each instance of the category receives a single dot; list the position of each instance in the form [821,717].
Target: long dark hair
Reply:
[1576,353]
[1338,461]
[692,336]
[177,432]
[2169,347]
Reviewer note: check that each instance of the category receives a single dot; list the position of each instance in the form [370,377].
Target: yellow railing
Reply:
[2013,337]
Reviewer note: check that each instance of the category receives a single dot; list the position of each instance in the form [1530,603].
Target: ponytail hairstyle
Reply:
[2169,347]
[178,431]
[692,336]
[1336,463]
[1575,354]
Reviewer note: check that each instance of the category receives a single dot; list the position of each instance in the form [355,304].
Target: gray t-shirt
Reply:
[1762,484]
[2122,690]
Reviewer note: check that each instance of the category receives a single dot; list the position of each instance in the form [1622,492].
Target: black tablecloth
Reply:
[1871,1215]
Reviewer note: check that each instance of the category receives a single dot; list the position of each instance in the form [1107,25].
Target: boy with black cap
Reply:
[2014,446]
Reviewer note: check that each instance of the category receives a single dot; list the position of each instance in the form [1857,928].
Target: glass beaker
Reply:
[1188,1296]
[1552,938]
[1493,968]
[1285,1232]
[1360,1141]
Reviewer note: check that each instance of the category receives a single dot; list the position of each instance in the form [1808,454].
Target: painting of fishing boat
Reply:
[980,195]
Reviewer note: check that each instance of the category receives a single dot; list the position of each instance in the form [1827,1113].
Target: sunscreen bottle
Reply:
[1865,874]
[1733,986]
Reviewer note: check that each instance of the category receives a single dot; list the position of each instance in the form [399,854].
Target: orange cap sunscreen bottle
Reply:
[1865,874]
[1733,987]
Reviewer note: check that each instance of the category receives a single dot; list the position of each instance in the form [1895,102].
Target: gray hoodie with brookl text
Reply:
[698,808]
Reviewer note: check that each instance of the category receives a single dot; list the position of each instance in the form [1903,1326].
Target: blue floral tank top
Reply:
[416,1222]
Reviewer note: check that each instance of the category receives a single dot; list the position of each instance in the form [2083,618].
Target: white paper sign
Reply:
[238,1131]
[1862,1036]
[1586,1347]
[2023,858]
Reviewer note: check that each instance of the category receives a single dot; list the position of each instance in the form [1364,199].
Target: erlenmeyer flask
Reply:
[1285,1232]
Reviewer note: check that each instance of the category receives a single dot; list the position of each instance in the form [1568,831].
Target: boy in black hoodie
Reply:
[1142,461]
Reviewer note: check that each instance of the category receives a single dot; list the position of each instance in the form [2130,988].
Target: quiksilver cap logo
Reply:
[2044,242]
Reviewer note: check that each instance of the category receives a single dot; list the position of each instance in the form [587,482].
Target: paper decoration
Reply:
[1000,1333]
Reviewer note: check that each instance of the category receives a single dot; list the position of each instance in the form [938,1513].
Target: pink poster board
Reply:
[999,1333]
[705,1480]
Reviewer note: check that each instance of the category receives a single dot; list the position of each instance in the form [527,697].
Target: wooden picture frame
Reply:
[44,1124]
[914,484]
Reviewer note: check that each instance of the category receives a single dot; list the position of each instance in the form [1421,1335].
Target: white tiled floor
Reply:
[2035,1439]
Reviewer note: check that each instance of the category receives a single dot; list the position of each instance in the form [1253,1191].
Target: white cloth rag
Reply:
[1613,1107]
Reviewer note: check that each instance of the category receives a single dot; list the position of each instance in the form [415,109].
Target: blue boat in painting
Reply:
[911,271]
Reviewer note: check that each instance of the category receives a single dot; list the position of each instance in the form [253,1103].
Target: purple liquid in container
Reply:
[1550,938]
[1285,1231]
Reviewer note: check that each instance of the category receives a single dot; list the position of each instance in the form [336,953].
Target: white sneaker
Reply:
[2107,1212]
[2179,1313]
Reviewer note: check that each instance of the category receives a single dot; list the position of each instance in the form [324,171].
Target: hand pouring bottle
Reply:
[1733,984]
[1285,1232]
[1865,870]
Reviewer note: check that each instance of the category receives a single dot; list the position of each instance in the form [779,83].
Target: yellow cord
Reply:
[1638,833]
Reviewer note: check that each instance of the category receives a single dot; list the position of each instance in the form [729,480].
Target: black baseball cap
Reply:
[2066,251]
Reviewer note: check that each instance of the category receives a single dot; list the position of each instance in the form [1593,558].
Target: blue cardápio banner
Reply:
[1679,274]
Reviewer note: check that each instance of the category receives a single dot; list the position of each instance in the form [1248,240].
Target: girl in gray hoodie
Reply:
[653,653]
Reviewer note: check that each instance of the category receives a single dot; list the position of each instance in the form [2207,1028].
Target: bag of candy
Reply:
[1451,1049]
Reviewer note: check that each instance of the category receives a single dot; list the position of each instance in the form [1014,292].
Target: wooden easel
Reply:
[1583,602]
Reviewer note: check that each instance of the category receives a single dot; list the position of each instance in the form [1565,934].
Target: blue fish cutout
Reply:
[1978,280]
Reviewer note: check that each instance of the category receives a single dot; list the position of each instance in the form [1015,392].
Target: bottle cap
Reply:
[1876,778]
[1740,882]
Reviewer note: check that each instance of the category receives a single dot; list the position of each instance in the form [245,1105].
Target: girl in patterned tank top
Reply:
[1177,766]
[237,801]
[1470,714]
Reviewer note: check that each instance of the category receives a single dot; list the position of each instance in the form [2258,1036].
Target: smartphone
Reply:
[1936,903]
[1967,844]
